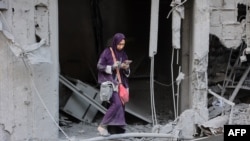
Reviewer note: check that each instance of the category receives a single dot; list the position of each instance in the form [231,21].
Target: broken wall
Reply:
[222,19]
[29,70]
[228,23]
[230,29]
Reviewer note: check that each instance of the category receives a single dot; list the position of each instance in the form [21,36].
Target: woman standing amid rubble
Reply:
[115,115]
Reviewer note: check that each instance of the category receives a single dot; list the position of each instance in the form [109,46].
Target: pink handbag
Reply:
[123,93]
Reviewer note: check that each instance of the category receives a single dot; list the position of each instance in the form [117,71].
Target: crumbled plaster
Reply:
[41,19]
[184,124]
[215,125]
[37,52]
[199,81]
[241,114]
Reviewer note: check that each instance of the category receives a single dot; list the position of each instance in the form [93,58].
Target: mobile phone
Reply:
[128,61]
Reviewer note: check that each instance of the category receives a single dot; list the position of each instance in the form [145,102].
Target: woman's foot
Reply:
[103,131]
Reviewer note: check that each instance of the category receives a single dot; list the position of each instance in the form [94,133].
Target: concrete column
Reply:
[200,47]
[23,116]
[195,47]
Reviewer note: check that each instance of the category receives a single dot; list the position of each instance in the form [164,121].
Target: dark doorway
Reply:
[84,29]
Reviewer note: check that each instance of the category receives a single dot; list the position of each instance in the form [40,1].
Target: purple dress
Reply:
[115,114]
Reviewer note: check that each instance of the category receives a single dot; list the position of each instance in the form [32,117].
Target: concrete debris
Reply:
[216,110]
[215,125]
[218,105]
[241,114]
[168,128]
[65,121]
[81,131]
[182,125]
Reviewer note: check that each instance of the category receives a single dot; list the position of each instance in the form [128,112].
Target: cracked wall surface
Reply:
[222,19]
[29,80]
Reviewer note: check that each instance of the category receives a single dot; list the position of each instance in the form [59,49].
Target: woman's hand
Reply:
[124,66]
[117,64]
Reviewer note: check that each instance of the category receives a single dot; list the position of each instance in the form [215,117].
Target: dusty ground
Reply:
[83,131]
[80,131]
[75,130]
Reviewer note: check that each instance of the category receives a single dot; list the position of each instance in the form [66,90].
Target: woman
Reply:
[115,115]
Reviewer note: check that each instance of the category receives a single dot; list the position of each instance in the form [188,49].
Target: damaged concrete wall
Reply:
[220,18]
[29,70]
[195,48]
[200,53]
[200,42]
[227,22]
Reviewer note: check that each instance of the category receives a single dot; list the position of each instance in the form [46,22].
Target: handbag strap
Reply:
[117,69]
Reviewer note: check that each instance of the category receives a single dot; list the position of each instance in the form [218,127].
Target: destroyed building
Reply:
[190,62]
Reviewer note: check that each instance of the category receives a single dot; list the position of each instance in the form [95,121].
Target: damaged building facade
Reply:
[41,40]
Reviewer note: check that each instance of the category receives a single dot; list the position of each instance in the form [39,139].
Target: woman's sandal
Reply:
[103,131]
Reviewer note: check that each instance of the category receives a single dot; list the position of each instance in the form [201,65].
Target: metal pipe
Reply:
[128,135]
[220,97]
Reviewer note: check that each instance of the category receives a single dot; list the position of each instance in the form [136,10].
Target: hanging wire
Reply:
[172,77]
[168,85]
[40,98]
[177,95]
[30,73]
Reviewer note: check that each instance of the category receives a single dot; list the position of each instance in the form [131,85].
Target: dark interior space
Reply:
[85,26]
[226,68]
[241,12]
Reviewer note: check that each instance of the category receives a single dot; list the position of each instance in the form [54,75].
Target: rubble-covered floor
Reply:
[80,130]
[214,127]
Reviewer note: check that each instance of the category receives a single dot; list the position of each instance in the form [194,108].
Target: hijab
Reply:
[117,38]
